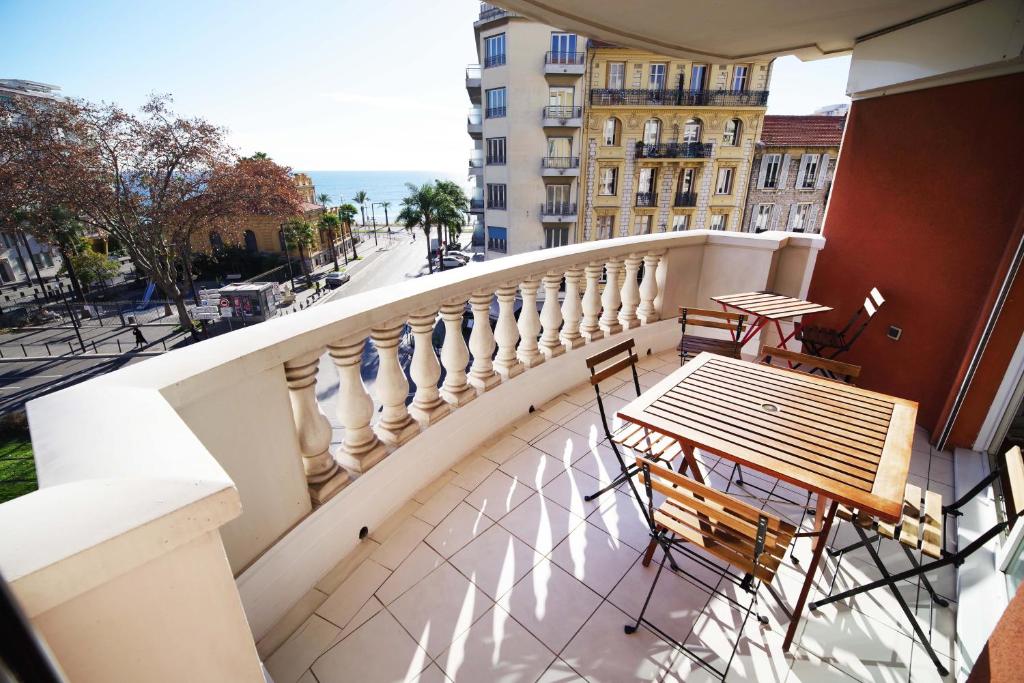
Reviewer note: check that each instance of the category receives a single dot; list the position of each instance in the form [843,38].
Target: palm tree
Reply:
[329,224]
[361,198]
[386,222]
[299,234]
[457,204]
[347,214]
[423,202]
[324,199]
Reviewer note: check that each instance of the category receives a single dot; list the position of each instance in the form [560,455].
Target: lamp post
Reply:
[287,255]
[373,218]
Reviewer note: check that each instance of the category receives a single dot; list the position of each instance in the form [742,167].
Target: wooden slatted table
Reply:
[848,445]
[768,307]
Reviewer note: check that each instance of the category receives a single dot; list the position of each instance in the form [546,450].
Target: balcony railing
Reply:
[684,199]
[646,198]
[562,112]
[573,58]
[674,150]
[473,73]
[558,209]
[495,112]
[679,98]
[560,162]
[499,204]
[495,161]
[473,118]
[494,60]
[490,12]
[476,162]
[476,204]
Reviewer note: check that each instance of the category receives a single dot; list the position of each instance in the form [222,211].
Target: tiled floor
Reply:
[500,571]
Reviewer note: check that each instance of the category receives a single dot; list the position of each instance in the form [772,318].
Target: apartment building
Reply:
[792,173]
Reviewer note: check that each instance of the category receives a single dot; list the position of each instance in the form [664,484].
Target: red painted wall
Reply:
[926,197]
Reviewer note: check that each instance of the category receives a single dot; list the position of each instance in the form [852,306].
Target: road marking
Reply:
[9,388]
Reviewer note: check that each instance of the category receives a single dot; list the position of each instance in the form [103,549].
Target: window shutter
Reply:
[792,215]
[773,222]
[822,171]
[809,220]
[763,172]
[804,160]
[784,172]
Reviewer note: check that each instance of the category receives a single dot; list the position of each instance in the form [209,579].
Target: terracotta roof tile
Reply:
[810,131]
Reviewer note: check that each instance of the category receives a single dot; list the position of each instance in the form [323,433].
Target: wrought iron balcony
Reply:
[674,150]
[684,199]
[575,58]
[679,98]
[494,60]
[558,210]
[563,114]
[496,161]
[560,162]
[490,12]
[646,198]
[495,112]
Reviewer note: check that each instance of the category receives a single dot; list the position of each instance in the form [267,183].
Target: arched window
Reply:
[692,130]
[675,132]
[652,131]
[731,137]
[215,241]
[250,242]
[611,131]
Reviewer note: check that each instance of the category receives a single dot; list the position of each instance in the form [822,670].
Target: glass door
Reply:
[616,75]
[558,197]
[563,48]
[646,181]
[559,152]
[560,102]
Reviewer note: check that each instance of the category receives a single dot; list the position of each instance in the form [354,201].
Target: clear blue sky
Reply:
[318,85]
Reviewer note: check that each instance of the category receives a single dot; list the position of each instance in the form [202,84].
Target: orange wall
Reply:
[926,199]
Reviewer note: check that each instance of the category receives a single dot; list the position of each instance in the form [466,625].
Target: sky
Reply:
[319,85]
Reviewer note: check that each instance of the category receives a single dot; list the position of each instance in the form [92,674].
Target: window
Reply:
[808,175]
[646,181]
[652,131]
[731,138]
[560,148]
[680,222]
[642,224]
[724,184]
[698,76]
[611,131]
[556,237]
[495,103]
[656,78]
[560,102]
[609,181]
[605,225]
[497,239]
[494,50]
[686,180]
[718,221]
[798,217]
[496,151]
[216,241]
[692,130]
[616,75]
[495,195]
[762,216]
[563,48]
[740,74]
[558,199]
[771,165]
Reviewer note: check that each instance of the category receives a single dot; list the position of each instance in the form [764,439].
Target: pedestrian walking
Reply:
[139,339]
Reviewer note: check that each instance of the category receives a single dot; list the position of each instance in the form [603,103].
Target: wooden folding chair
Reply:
[697,516]
[829,342]
[602,366]
[691,344]
[921,528]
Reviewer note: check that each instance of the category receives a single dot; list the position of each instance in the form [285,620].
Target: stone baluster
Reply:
[610,298]
[323,475]
[396,425]
[360,448]
[481,343]
[551,317]
[529,325]
[647,312]
[455,355]
[589,328]
[572,312]
[427,405]
[506,333]
[630,293]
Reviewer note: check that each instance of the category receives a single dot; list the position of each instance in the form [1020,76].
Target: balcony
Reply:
[562,117]
[490,13]
[473,83]
[679,98]
[674,150]
[494,60]
[560,166]
[474,123]
[685,199]
[476,166]
[476,205]
[646,199]
[565,63]
[495,112]
[558,212]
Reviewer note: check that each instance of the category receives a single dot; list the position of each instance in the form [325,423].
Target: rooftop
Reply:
[806,131]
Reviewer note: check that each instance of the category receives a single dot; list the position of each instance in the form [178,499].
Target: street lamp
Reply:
[287,255]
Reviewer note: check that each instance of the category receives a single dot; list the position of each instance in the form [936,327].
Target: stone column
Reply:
[360,449]
[647,312]
[572,312]
[324,476]
[396,425]
[506,334]
[610,298]
[630,293]
[551,317]
[427,405]
[455,356]
[481,343]
[529,325]
[589,328]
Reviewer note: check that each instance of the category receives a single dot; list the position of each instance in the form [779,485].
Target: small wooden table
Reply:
[768,307]
[848,445]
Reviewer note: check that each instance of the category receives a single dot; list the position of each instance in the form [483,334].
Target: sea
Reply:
[381,186]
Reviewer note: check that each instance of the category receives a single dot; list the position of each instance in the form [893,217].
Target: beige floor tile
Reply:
[380,650]
[559,410]
[299,651]
[353,593]
[531,427]
[533,467]
[406,537]
[461,526]
[291,620]
[570,488]
[472,471]
[623,519]
[440,608]
[560,672]
[498,495]
[922,669]
[439,505]
[420,562]
[808,668]
[602,652]
[428,491]
[594,558]
[676,604]
[551,604]
[600,462]
[583,394]
[503,449]
[587,424]
[540,523]
[330,582]
[858,645]
[365,613]
[308,677]
[495,561]
[565,446]
[384,531]
[496,648]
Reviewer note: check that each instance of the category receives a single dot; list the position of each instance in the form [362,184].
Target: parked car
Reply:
[465,258]
[451,262]
[335,280]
